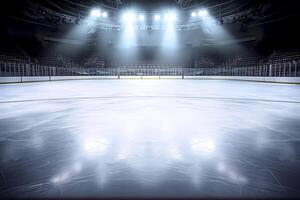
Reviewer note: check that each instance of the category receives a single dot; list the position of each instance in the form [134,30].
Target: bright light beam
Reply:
[128,17]
[170,17]
[170,33]
[128,35]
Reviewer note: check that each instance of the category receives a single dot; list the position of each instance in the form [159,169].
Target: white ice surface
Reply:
[150,138]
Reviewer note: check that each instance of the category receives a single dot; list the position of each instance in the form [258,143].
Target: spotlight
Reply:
[170,17]
[157,17]
[128,16]
[142,17]
[203,13]
[193,14]
[95,13]
[104,14]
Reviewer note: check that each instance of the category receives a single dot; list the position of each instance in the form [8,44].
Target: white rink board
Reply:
[10,79]
[62,78]
[35,78]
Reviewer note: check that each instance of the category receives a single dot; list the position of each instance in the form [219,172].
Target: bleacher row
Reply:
[278,57]
[54,61]
[280,63]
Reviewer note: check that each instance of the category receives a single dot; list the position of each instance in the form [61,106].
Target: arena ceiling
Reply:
[226,11]
[221,7]
[277,20]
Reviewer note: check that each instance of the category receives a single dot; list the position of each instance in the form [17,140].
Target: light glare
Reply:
[203,13]
[157,17]
[142,17]
[104,14]
[95,13]
[203,145]
[95,145]
[129,16]
[170,16]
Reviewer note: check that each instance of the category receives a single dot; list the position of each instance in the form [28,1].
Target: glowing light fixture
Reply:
[202,13]
[170,16]
[95,13]
[129,16]
[141,17]
[193,14]
[157,17]
[104,14]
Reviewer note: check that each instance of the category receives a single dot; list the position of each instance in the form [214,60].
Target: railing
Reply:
[290,69]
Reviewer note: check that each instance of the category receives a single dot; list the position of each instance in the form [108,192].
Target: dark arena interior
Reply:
[149,99]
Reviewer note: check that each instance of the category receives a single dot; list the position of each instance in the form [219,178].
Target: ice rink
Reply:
[150,138]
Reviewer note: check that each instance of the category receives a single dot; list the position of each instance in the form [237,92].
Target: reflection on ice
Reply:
[66,175]
[95,145]
[120,147]
[230,174]
[123,153]
[175,153]
[203,145]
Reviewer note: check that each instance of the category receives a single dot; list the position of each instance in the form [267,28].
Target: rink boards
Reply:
[295,80]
